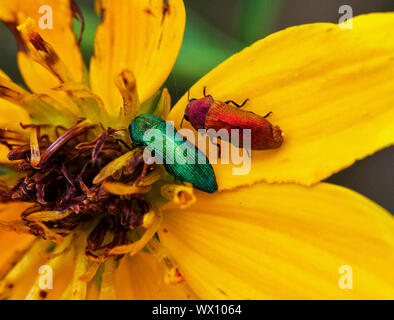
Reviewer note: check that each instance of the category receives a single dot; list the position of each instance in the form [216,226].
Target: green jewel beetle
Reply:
[179,156]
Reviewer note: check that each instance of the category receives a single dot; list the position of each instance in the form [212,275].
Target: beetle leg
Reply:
[123,143]
[176,181]
[236,104]
[268,114]
[218,145]
[248,152]
[182,121]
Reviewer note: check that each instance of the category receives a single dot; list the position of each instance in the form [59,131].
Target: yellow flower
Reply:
[275,233]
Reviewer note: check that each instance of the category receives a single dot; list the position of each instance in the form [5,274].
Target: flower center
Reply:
[83,178]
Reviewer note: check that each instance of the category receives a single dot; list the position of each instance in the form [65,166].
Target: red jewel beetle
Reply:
[207,113]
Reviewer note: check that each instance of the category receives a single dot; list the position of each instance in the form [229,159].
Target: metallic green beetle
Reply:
[199,173]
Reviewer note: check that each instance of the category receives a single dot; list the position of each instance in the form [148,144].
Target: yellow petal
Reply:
[12,244]
[164,105]
[330,91]
[107,289]
[15,261]
[25,269]
[4,75]
[7,108]
[42,51]
[77,288]
[18,115]
[90,272]
[33,70]
[10,123]
[12,210]
[35,154]
[127,86]
[61,37]
[62,263]
[142,36]
[90,105]
[140,278]
[283,242]
[92,292]
[3,154]
[41,108]
[122,189]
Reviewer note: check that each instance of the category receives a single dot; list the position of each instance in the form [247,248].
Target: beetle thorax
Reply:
[197,110]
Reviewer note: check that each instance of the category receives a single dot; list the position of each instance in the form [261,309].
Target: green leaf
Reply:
[91,23]
[258,19]
[203,48]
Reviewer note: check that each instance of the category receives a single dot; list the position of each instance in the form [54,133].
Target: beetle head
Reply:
[196,111]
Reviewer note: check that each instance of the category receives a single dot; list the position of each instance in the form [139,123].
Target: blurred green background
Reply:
[216,29]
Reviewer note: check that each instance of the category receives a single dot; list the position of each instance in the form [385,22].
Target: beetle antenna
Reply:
[188,95]
[205,93]
[183,118]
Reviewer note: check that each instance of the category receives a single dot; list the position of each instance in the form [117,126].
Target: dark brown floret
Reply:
[62,182]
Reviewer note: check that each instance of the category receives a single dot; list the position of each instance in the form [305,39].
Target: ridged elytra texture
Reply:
[200,175]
